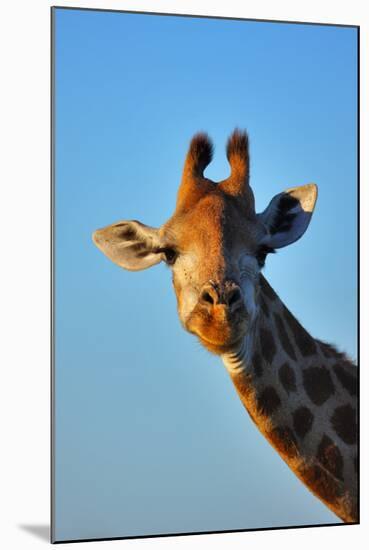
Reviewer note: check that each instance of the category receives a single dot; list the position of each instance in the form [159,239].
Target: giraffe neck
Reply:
[301,394]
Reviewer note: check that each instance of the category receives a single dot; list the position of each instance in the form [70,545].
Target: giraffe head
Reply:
[214,243]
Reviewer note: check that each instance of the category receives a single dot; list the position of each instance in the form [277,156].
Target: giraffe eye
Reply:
[170,255]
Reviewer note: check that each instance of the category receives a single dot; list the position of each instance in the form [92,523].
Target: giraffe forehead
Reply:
[215,225]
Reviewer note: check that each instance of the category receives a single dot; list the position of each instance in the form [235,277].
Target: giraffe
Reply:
[299,391]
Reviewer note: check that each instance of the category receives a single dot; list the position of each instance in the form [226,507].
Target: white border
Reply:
[25,283]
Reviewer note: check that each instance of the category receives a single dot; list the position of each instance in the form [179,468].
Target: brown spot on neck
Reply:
[330,352]
[268,401]
[284,441]
[344,423]
[267,345]
[304,341]
[318,384]
[330,457]
[283,337]
[327,350]
[257,364]
[303,420]
[346,377]
[287,377]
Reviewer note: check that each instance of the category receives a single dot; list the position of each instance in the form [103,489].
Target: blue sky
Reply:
[150,434]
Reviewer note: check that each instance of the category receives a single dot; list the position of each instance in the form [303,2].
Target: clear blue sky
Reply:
[150,434]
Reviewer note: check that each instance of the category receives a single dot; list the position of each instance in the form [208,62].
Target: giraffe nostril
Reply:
[234,297]
[229,297]
[206,297]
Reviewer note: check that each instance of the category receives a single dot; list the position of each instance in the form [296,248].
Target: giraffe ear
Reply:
[129,244]
[288,215]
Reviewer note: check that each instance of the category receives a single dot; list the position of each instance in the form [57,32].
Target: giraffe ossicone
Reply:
[300,392]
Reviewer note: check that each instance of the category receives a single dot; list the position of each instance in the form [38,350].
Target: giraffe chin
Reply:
[218,338]
[220,348]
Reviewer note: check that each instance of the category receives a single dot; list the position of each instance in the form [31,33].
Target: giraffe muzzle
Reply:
[220,317]
[227,294]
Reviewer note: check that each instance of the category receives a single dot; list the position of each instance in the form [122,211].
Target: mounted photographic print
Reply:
[205,282]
